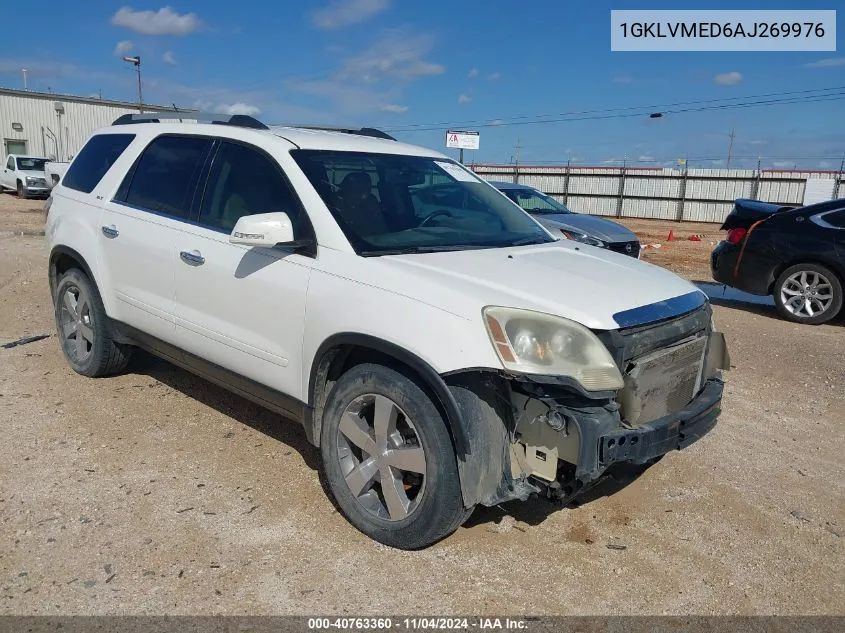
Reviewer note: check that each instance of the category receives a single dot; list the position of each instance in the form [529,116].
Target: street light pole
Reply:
[136,61]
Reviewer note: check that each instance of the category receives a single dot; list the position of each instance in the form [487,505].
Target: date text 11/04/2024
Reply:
[421,623]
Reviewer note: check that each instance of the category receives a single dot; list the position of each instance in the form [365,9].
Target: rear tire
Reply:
[389,460]
[808,293]
[83,327]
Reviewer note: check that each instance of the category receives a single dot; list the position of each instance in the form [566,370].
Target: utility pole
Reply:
[461,156]
[730,148]
[516,162]
[23,70]
[136,61]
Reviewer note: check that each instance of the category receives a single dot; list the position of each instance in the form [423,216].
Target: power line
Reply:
[625,112]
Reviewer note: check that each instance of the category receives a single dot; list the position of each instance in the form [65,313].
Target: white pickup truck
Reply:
[25,176]
[54,172]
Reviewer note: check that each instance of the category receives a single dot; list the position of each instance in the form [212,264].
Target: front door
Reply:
[139,229]
[239,307]
[7,176]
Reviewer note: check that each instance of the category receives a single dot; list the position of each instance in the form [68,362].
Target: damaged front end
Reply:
[548,435]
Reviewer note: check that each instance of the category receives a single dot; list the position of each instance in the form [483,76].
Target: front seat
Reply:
[359,207]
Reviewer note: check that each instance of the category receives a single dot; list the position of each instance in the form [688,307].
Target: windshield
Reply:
[34,164]
[535,202]
[390,204]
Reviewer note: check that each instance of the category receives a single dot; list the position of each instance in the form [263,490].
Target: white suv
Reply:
[441,353]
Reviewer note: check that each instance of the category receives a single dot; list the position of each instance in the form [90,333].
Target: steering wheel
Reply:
[436,214]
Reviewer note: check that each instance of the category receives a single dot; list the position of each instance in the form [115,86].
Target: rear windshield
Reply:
[389,203]
[94,160]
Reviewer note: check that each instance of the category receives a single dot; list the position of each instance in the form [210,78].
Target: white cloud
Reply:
[830,62]
[783,164]
[165,21]
[396,56]
[168,58]
[239,108]
[728,79]
[346,12]
[462,99]
[825,165]
[394,108]
[498,122]
[623,79]
[123,47]
[494,76]
[645,158]
[472,73]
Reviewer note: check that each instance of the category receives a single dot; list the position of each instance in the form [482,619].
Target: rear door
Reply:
[7,176]
[139,229]
[243,308]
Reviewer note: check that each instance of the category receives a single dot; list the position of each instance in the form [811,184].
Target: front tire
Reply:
[389,460]
[808,293]
[21,193]
[83,328]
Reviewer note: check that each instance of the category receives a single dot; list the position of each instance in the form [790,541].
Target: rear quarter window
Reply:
[837,219]
[94,160]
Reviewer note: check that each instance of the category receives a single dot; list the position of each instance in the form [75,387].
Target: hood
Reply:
[582,283]
[31,173]
[592,225]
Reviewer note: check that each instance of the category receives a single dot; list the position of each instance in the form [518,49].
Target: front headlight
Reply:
[583,238]
[537,343]
[31,181]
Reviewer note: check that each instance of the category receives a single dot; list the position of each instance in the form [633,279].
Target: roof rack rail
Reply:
[364,131]
[238,120]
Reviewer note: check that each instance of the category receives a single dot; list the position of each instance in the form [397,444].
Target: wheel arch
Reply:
[63,258]
[341,351]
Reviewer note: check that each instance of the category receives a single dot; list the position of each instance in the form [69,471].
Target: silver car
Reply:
[589,229]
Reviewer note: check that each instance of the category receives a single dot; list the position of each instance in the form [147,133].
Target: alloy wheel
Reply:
[806,294]
[77,330]
[381,457]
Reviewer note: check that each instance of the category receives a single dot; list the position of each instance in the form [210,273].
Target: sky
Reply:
[415,68]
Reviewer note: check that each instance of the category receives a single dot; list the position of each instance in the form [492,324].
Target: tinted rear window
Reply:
[165,176]
[94,160]
[837,219]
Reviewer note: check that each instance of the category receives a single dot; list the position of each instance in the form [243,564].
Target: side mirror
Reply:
[262,229]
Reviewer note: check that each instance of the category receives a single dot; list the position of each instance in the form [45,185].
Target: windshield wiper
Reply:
[526,241]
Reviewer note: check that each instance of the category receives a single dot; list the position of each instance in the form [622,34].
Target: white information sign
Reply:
[462,140]
[456,171]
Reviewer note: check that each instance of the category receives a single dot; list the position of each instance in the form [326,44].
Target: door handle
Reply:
[194,257]
[110,231]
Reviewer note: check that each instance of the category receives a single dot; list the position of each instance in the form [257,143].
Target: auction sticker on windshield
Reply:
[455,171]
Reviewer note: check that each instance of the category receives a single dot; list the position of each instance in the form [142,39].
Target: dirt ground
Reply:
[155,492]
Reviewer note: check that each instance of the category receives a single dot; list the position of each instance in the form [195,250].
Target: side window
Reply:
[94,160]
[165,176]
[837,219]
[10,164]
[243,181]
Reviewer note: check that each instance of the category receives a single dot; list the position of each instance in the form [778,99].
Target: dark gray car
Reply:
[589,229]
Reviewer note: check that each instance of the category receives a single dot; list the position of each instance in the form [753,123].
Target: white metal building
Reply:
[54,125]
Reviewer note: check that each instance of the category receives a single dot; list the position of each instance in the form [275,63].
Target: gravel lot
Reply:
[156,492]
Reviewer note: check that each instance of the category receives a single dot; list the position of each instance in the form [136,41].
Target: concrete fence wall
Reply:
[698,195]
